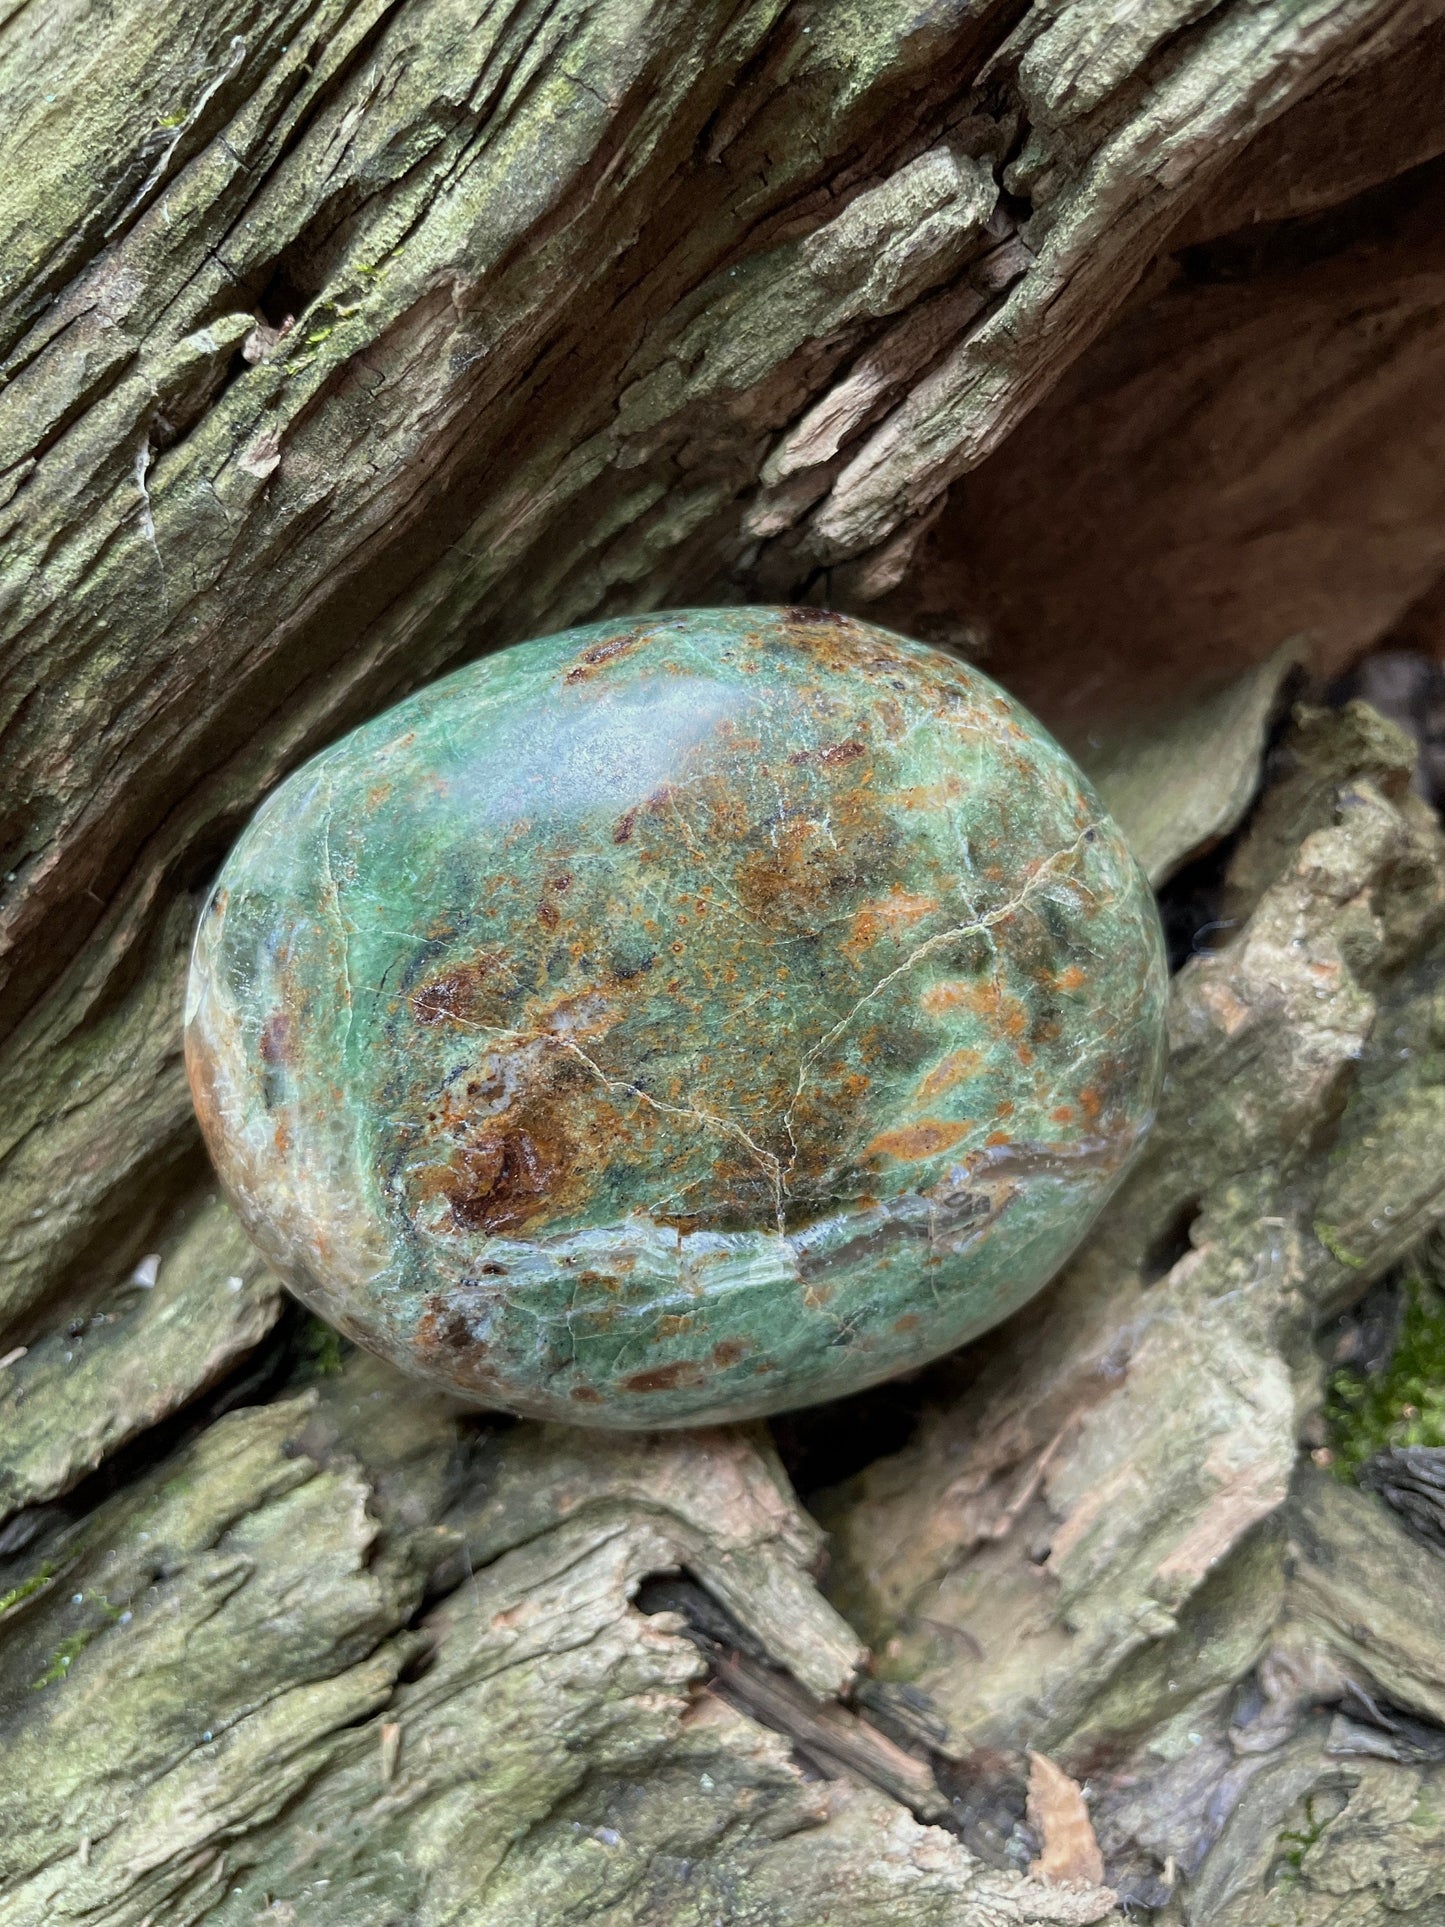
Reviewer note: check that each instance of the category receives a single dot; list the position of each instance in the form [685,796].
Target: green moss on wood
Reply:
[1295,1842]
[61,1660]
[320,1351]
[37,1582]
[1330,1238]
[65,1654]
[1402,1404]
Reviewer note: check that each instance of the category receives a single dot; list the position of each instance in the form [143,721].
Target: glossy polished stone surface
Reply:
[678,1019]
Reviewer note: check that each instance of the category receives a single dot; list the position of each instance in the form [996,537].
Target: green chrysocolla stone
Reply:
[678,1019]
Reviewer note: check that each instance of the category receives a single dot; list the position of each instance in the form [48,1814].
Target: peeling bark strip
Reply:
[342,340]
[1059,1815]
[239,1636]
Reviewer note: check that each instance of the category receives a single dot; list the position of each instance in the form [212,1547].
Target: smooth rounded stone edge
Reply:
[678,1019]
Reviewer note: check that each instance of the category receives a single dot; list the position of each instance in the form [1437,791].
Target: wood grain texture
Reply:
[342,341]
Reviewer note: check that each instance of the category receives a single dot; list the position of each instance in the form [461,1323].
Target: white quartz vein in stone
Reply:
[978,926]
[333,898]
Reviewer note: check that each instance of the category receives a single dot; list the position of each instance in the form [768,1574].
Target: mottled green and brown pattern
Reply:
[678,1019]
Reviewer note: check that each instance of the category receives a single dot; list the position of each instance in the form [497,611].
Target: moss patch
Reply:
[1404,1402]
[27,1587]
[320,1351]
[1294,1843]
[69,1650]
[1330,1239]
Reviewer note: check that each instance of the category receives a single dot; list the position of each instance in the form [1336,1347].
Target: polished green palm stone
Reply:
[678,1019]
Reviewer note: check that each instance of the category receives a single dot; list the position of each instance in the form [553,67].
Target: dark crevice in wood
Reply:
[825,1444]
[828,1736]
[1173,1243]
[281,1362]
[114,1235]
[1364,1336]
[1190,901]
[989,1791]
[1408,686]
[1411,1479]
[1284,247]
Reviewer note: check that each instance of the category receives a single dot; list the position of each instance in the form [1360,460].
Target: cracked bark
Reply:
[343,340]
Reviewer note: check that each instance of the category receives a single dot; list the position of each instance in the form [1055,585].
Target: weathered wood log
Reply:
[341,341]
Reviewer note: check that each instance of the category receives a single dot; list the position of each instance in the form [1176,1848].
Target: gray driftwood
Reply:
[342,340]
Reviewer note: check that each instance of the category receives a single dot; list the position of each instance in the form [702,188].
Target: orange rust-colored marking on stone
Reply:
[501,1180]
[664,1378]
[956,1068]
[930,796]
[841,645]
[852,1085]
[604,652]
[947,995]
[806,872]
[1001,1012]
[201,1073]
[444,1342]
[839,753]
[599,1280]
[925,1139]
[889,915]
[537,1160]
[457,995]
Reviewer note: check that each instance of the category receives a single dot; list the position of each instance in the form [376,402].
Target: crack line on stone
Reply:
[334,893]
[980,926]
[770,1165]
[767,1162]
[729,900]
